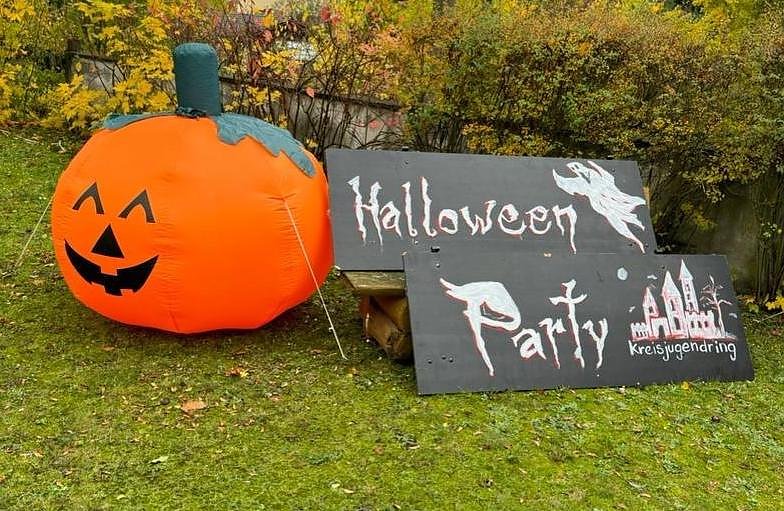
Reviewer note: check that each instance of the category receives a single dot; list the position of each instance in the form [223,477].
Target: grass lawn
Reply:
[90,411]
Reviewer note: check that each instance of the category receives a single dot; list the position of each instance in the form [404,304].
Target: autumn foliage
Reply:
[690,89]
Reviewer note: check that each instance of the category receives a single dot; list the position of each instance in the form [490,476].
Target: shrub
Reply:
[31,34]
[689,88]
[315,69]
[134,38]
[696,100]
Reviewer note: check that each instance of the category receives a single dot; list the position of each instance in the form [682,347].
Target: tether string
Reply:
[32,234]
[315,281]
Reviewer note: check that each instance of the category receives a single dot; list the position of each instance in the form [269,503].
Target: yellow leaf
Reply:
[778,303]
[238,372]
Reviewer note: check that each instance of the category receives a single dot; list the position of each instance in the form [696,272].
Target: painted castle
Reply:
[682,318]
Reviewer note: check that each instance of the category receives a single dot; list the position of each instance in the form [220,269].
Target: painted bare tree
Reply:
[711,297]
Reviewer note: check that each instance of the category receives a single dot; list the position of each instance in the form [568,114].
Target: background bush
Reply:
[691,89]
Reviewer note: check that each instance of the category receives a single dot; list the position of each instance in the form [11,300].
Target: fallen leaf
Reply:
[237,372]
[685,385]
[347,491]
[192,405]
[160,459]
[106,347]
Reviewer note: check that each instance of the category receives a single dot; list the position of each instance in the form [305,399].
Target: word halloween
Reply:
[489,304]
[593,183]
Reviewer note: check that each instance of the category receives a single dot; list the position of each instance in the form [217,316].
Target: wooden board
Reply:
[376,283]
[384,203]
[484,319]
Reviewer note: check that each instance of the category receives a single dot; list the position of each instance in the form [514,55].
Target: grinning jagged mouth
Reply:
[132,278]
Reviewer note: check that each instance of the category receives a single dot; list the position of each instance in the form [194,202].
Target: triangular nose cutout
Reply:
[107,244]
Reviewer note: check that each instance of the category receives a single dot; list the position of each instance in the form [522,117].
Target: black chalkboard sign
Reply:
[486,319]
[383,203]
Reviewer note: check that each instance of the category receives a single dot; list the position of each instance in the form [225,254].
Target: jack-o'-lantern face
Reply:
[125,277]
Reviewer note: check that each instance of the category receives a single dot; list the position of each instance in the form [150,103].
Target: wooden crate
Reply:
[383,307]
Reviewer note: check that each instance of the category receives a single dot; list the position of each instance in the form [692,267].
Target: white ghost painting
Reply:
[598,186]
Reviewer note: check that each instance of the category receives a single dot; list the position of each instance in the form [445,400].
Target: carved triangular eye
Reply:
[141,200]
[90,193]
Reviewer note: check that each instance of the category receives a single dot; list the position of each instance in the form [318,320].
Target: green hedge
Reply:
[697,100]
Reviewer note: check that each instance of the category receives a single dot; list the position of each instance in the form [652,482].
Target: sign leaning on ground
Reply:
[480,323]
[384,203]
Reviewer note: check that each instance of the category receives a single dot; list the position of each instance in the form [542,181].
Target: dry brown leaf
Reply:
[237,372]
[192,405]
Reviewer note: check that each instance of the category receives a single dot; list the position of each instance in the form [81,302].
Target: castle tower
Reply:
[650,309]
[673,305]
[687,284]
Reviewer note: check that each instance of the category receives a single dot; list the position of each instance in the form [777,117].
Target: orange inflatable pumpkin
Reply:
[192,221]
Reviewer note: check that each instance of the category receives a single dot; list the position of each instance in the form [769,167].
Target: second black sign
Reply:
[483,319]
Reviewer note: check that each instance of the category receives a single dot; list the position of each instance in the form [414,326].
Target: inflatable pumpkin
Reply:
[195,220]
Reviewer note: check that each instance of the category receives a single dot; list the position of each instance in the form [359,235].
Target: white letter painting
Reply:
[490,319]
[384,203]
[489,304]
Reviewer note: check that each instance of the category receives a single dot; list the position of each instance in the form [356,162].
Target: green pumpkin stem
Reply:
[196,79]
